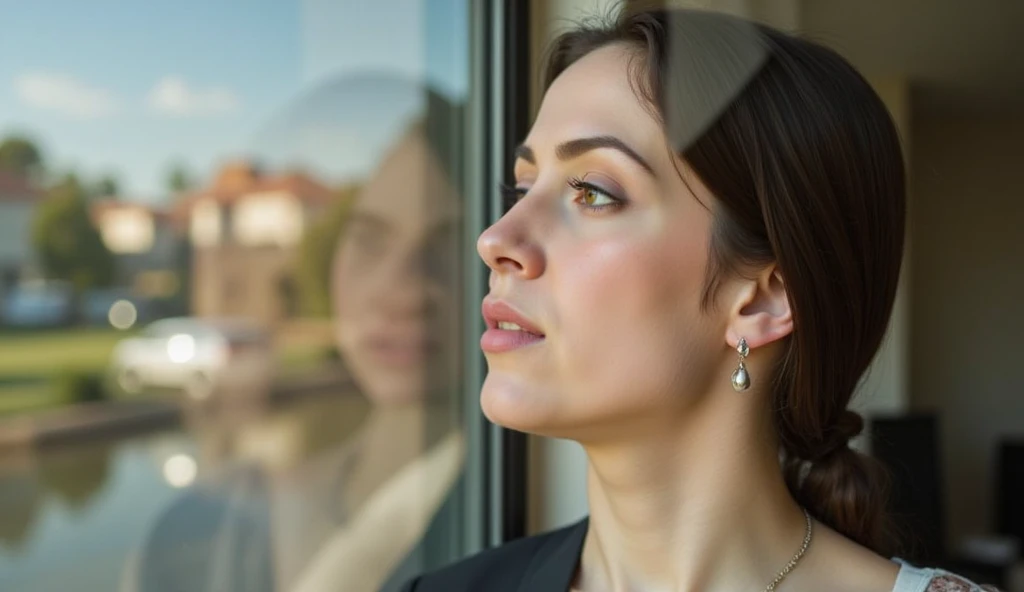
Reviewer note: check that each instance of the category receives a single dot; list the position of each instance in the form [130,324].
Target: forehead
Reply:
[410,189]
[595,96]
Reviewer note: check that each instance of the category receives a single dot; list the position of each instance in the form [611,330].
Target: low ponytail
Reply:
[841,487]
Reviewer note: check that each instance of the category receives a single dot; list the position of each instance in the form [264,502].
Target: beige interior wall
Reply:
[967,320]
[885,388]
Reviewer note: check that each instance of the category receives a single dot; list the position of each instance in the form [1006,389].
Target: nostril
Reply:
[508,264]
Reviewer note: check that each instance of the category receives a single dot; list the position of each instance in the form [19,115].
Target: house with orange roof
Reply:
[146,241]
[245,229]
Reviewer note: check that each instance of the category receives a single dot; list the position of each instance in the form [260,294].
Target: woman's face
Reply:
[392,278]
[611,270]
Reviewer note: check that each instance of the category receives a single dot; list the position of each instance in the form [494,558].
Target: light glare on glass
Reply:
[181,348]
[180,470]
[122,315]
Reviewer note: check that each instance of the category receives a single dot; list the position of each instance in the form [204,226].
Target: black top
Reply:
[542,563]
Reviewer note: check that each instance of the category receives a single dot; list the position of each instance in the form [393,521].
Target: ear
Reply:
[760,311]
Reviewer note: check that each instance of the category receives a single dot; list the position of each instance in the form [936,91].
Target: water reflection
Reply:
[70,477]
[72,514]
[74,476]
[21,496]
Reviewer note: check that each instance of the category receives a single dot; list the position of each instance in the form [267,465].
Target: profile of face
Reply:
[392,277]
[605,252]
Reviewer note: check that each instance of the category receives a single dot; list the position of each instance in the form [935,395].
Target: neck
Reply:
[698,504]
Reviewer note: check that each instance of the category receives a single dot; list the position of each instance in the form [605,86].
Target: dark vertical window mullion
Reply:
[514,123]
[480,211]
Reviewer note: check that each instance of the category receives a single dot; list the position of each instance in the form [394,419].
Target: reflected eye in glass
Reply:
[367,244]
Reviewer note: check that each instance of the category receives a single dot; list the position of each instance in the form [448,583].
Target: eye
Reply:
[592,197]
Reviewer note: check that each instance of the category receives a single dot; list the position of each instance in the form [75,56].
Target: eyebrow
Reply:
[576,148]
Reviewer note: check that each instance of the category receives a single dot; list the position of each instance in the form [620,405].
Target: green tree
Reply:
[67,244]
[179,180]
[21,156]
[106,186]
[316,254]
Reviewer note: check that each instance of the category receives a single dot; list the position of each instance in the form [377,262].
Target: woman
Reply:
[698,266]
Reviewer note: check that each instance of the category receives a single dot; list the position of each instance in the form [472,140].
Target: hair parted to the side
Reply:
[806,168]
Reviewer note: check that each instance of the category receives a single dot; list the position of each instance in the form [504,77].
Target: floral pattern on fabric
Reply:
[953,583]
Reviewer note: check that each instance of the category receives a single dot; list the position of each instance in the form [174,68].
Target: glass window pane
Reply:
[234,294]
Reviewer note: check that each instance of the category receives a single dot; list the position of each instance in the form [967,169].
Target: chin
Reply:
[519,407]
[390,388]
[552,413]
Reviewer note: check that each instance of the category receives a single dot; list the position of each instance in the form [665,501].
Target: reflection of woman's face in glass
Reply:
[391,280]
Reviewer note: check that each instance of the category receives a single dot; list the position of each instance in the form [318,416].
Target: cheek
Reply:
[347,302]
[630,317]
[341,296]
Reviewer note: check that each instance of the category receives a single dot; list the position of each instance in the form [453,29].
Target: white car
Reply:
[201,357]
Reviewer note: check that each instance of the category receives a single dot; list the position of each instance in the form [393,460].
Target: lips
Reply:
[498,311]
[497,339]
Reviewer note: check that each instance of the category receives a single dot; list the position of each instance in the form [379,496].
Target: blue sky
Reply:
[128,87]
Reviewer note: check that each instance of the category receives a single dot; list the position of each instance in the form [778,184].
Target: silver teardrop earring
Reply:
[740,377]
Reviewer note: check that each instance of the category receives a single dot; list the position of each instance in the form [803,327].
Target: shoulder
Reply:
[504,568]
[848,566]
[918,579]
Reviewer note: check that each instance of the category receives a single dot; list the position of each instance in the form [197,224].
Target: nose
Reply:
[403,288]
[507,248]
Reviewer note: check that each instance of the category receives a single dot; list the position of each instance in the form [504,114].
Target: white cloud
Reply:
[66,95]
[173,96]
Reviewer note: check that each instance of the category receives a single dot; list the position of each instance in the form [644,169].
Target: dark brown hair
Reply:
[806,168]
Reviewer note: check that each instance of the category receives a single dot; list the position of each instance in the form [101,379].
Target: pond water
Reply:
[70,517]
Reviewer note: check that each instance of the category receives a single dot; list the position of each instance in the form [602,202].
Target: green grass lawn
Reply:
[44,354]
[30,361]
[25,399]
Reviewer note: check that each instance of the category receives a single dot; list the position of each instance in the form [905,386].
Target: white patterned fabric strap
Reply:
[917,579]
[912,579]
[947,582]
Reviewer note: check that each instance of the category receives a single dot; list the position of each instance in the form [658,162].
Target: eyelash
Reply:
[510,195]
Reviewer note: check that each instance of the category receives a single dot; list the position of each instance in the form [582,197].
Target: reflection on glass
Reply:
[200,357]
[123,315]
[75,476]
[338,490]
[205,261]
[21,496]
[181,348]
[180,470]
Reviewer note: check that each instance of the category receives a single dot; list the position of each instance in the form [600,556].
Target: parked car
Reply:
[201,357]
[39,304]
